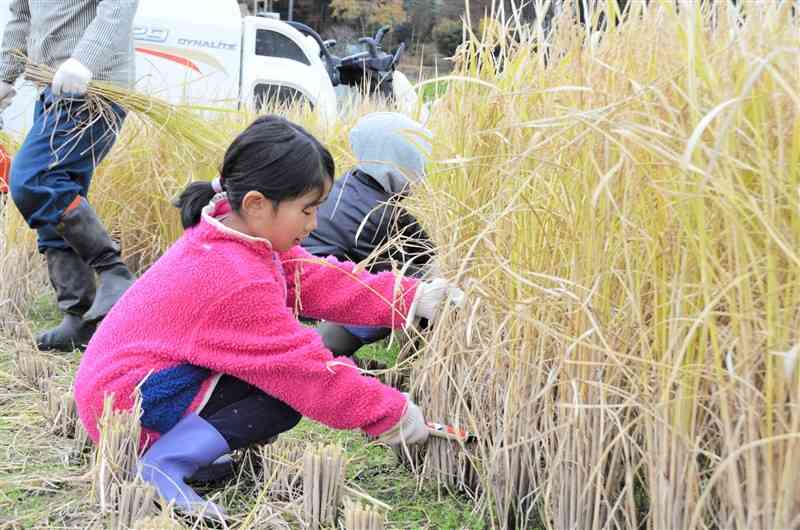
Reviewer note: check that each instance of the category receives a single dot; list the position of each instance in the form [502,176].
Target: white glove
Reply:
[7,93]
[71,79]
[430,295]
[411,428]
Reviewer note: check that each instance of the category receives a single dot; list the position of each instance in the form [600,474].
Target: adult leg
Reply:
[73,281]
[346,340]
[338,339]
[50,178]
[70,276]
[84,232]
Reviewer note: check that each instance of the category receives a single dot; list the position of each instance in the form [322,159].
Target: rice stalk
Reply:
[60,409]
[362,517]
[278,467]
[117,453]
[82,444]
[24,269]
[323,478]
[34,369]
[133,501]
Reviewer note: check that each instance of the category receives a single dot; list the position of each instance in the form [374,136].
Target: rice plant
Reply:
[115,460]
[59,407]
[620,201]
[323,478]
[624,215]
[134,501]
[33,369]
[360,517]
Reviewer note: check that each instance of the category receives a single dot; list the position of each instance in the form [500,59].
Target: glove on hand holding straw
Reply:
[430,295]
[71,79]
[411,428]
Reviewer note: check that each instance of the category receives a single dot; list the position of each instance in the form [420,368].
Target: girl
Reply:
[209,336]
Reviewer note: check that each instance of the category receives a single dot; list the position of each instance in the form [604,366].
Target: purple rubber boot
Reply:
[191,444]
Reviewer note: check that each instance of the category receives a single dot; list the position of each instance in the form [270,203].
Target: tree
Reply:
[447,35]
[422,15]
[315,13]
[368,14]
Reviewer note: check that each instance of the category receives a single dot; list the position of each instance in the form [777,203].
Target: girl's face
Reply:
[285,225]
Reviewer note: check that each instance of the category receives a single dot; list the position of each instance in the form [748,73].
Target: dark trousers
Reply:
[244,415]
[56,161]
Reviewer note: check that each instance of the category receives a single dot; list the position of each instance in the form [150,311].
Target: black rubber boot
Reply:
[84,232]
[338,340]
[73,281]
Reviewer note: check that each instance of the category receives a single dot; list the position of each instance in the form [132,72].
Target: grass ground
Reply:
[44,483]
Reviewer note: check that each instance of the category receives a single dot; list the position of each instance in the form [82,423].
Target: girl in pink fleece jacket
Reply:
[209,334]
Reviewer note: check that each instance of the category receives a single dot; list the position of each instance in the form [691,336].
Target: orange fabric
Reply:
[5,169]
[74,204]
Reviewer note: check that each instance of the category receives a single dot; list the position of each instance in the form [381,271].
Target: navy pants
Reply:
[368,334]
[245,415]
[56,161]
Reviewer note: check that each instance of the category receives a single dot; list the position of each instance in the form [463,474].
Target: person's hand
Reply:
[71,79]
[7,93]
[411,428]
[432,294]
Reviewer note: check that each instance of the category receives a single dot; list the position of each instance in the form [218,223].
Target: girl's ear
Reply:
[254,203]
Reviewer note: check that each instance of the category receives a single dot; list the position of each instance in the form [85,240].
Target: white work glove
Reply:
[411,428]
[7,93]
[430,295]
[71,79]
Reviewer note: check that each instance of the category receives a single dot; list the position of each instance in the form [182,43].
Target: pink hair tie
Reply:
[216,184]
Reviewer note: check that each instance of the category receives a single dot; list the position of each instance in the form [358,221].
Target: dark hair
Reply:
[274,156]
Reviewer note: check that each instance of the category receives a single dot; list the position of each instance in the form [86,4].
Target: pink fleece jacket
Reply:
[224,301]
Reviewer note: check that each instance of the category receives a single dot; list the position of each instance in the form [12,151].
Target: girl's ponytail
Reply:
[192,200]
[274,157]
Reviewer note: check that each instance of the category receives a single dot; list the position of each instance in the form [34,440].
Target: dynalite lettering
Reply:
[199,43]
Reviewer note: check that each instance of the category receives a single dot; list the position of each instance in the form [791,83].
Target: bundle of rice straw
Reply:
[184,123]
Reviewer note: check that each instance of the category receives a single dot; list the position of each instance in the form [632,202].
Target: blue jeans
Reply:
[56,161]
